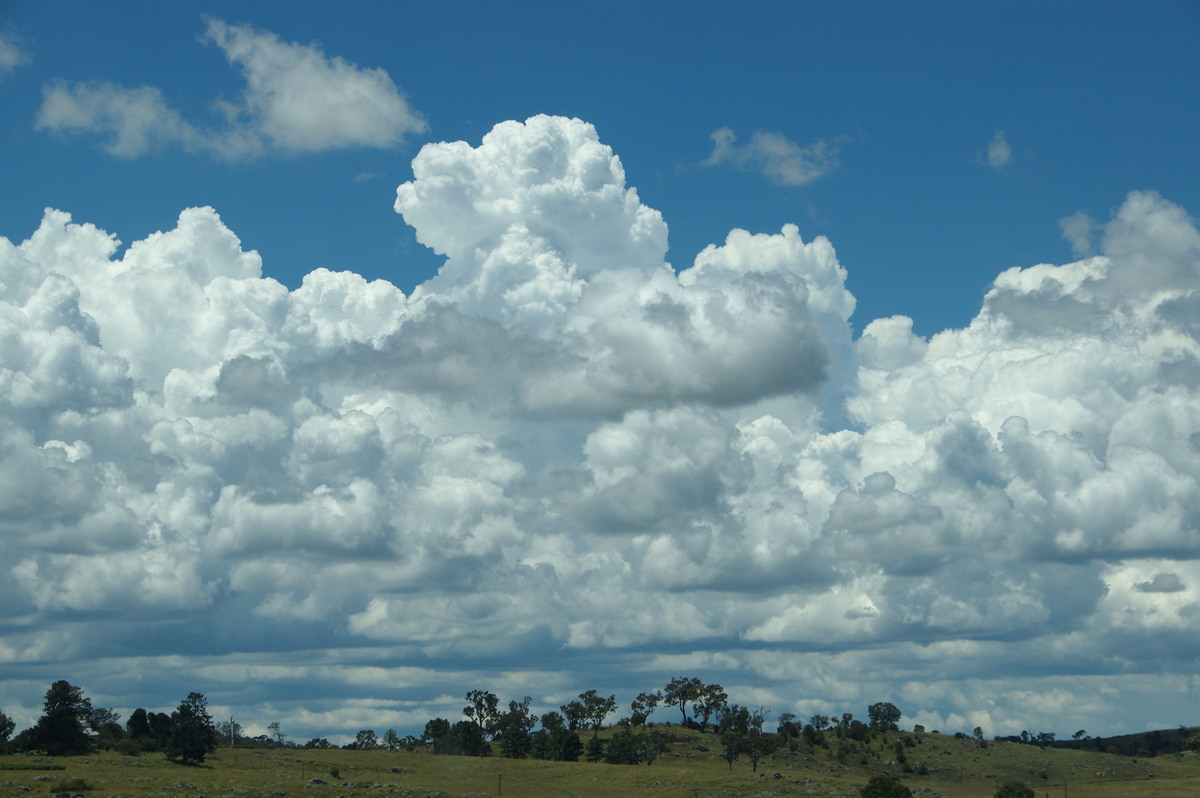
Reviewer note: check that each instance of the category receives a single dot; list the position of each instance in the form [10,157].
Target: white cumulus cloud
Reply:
[296,100]
[561,445]
[299,100]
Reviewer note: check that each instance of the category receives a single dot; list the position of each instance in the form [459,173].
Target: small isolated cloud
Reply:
[11,56]
[1079,229]
[999,153]
[299,100]
[296,100]
[135,120]
[1165,582]
[776,156]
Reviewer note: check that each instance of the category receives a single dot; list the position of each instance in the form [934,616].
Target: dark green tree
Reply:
[881,786]
[556,743]
[596,708]
[366,740]
[681,691]
[624,748]
[856,730]
[514,728]
[101,715]
[160,725]
[435,729]
[733,726]
[62,730]
[138,725]
[109,735]
[575,714]
[540,745]
[1014,789]
[653,742]
[553,721]
[192,734]
[465,738]
[710,700]
[757,744]
[731,745]
[788,725]
[483,708]
[594,749]
[812,737]
[883,716]
[6,729]
[641,707]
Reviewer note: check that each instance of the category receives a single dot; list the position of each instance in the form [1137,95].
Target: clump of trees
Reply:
[70,725]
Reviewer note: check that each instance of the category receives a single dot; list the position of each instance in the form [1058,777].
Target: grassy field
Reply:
[957,767]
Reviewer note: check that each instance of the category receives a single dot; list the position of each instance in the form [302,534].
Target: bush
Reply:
[881,786]
[72,785]
[1014,789]
[129,747]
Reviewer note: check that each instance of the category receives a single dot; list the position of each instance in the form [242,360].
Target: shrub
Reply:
[881,786]
[72,785]
[1014,789]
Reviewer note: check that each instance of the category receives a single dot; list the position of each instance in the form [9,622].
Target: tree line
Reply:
[71,725]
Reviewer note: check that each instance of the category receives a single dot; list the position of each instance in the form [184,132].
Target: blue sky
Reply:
[1087,95]
[874,429]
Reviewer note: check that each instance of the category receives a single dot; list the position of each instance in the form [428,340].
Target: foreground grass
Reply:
[956,768]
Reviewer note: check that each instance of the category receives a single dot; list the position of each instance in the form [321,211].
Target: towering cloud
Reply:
[560,444]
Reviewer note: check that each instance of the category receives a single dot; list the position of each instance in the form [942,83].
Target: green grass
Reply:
[956,768]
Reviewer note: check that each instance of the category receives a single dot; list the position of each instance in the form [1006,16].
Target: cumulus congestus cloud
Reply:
[562,443]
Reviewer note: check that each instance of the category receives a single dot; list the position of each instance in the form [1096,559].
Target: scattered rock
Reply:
[317,781]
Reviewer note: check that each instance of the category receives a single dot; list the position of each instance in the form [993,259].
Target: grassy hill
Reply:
[693,767]
[1152,743]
